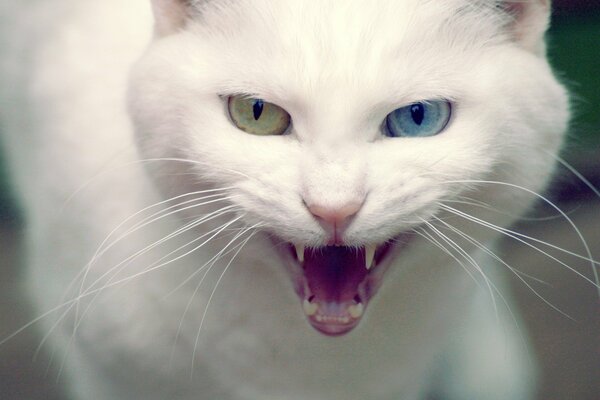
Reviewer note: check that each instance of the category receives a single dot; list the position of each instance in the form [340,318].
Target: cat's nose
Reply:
[334,215]
[335,220]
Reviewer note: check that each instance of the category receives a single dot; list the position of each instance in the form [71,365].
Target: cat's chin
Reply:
[336,283]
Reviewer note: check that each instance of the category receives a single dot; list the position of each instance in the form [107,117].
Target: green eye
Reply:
[258,117]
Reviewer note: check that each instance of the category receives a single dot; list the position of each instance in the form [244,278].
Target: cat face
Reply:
[343,131]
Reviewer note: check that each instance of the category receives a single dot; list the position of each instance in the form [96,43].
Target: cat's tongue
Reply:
[334,276]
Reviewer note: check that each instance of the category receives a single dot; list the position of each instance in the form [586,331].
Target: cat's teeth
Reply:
[299,252]
[310,309]
[356,311]
[369,256]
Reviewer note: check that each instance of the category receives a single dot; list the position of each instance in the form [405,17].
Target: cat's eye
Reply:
[418,119]
[258,117]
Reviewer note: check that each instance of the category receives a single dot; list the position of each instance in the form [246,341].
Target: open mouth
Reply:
[336,283]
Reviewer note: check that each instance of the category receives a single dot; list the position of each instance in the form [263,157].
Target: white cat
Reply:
[336,165]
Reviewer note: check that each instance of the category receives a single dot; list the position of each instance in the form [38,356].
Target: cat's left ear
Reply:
[170,15]
[530,20]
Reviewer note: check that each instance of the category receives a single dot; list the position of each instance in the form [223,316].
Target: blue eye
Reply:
[418,119]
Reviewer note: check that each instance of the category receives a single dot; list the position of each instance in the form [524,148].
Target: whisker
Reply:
[161,214]
[500,260]
[476,203]
[66,304]
[194,162]
[474,241]
[96,292]
[34,321]
[470,259]
[574,171]
[47,335]
[426,235]
[149,160]
[159,264]
[208,266]
[98,252]
[241,246]
[101,251]
[102,170]
[137,227]
[105,170]
[109,284]
[502,297]
[561,212]
[185,228]
[516,236]
[212,260]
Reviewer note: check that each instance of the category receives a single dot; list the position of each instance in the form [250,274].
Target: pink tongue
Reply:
[334,273]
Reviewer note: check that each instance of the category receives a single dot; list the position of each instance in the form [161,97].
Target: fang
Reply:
[299,252]
[369,256]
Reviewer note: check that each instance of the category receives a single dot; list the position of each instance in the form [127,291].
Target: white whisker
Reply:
[578,174]
[427,236]
[137,227]
[517,236]
[105,170]
[590,259]
[158,264]
[99,250]
[153,267]
[185,228]
[211,261]
[96,292]
[110,284]
[208,266]
[241,246]
[500,260]
[470,259]
[476,203]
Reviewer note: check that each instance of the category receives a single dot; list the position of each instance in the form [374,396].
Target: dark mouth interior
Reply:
[335,285]
[333,274]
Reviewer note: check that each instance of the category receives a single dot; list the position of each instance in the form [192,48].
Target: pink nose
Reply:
[334,220]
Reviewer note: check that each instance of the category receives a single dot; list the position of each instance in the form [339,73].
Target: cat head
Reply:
[346,131]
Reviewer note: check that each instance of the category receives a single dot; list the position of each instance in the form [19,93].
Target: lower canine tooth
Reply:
[310,309]
[369,256]
[356,311]
[299,252]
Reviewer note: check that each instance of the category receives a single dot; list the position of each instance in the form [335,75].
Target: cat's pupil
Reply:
[417,112]
[257,109]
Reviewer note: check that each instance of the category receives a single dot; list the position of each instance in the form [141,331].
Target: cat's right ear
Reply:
[530,20]
[170,15]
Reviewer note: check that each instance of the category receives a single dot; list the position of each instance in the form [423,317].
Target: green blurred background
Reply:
[574,48]
[575,53]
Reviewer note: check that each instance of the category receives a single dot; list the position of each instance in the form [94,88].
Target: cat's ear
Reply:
[529,22]
[170,15]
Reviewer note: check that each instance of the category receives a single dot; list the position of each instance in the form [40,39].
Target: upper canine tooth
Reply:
[310,309]
[369,256]
[356,311]
[300,252]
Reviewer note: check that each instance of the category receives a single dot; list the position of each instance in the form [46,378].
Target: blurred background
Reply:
[568,349]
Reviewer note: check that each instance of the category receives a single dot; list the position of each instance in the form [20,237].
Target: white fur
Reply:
[338,68]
